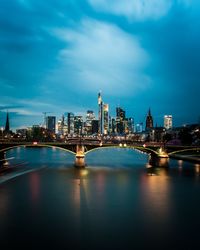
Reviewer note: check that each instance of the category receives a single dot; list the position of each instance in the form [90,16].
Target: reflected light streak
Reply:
[155,195]
[35,186]
[197,168]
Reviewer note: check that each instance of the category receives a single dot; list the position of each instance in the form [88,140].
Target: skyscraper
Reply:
[70,123]
[149,120]
[130,125]
[168,121]
[105,118]
[51,123]
[120,120]
[7,126]
[78,124]
[100,103]
[90,116]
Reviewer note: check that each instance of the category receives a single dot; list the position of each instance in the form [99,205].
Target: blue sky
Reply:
[56,55]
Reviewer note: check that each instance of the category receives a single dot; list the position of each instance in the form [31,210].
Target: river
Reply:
[117,202]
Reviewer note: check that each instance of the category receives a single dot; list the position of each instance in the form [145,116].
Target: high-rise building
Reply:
[51,123]
[120,120]
[70,123]
[105,119]
[7,126]
[90,116]
[61,125]
[120,113]
[139,127]
[100,103]
[113,126]
[149,120]
[168,121]
[95,126]
[130,125]
[78,125]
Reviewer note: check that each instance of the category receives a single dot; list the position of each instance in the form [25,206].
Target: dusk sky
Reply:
[55,56]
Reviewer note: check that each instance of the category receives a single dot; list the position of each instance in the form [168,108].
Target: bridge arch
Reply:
[36,146]
[184,150]
[142,149]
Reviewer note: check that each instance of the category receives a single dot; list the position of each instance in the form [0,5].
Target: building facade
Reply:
[51,123]
[168,121]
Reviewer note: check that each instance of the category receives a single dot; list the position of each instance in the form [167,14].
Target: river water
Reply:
[117,202]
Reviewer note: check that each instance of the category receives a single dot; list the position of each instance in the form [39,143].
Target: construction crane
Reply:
[45,118]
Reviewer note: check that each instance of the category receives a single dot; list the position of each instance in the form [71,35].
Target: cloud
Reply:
[136,9]
[100,55]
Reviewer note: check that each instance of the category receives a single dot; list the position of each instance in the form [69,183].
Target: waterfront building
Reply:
[22,132]
[168,121]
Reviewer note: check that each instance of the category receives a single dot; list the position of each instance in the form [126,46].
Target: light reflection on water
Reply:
[121,200]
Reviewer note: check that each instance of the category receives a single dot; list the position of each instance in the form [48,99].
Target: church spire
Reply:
[149,120]
[149,113]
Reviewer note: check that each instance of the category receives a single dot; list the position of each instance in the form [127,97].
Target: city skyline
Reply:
[56,56]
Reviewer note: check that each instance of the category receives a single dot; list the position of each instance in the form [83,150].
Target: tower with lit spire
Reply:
[100,104]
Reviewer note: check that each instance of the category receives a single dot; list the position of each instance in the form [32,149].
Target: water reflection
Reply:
[158,162]
[113,201]
[35,186]
[156,196]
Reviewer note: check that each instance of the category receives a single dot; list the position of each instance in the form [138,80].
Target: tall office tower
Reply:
[139,127]
[60,125]
[130,125]
[95,126]
[113,126]
[149,120]
[90,116]
[70,123]
[120,113]
[120,120]
[78,125]
[7,126]
[51,123]
[168,121]
[110,125]
[100,103]
[105,119]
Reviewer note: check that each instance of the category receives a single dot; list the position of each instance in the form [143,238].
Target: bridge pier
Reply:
[162,153]
[80,156]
